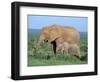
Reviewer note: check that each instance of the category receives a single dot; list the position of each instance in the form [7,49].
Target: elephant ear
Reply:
[53,35]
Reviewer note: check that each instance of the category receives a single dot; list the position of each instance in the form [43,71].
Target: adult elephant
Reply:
[51,33]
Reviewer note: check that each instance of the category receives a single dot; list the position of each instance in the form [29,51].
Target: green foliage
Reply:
[44,56]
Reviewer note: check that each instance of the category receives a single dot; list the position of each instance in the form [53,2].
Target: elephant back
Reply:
[71,35]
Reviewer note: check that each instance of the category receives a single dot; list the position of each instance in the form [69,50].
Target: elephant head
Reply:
[44,36]
[48,34]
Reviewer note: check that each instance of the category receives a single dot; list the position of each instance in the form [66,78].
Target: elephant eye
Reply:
[46,40]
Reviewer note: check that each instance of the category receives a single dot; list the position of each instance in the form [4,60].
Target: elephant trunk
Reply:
[41,39]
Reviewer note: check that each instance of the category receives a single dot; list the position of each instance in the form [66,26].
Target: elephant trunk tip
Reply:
[37,46]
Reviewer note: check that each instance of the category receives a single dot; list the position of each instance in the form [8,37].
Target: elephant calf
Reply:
[66,47]
[61,45]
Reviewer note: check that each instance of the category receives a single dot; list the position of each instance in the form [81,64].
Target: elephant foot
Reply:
[79,57]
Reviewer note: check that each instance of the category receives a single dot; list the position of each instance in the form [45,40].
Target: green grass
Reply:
[44,56]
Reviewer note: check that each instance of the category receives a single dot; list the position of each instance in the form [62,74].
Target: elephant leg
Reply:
[75,50]
[62,50]
[66,51]
[57,49]
[78,52]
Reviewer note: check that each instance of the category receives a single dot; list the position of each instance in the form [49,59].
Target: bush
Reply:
[44,55]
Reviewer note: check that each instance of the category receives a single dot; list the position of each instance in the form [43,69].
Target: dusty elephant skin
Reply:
[51,33]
